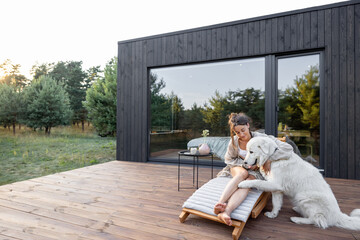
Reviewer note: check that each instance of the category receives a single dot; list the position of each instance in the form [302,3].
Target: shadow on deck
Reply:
[129,200]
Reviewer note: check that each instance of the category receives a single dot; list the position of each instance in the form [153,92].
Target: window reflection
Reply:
[185,100]
[299,103]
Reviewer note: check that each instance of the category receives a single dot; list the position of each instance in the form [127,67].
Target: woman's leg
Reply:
[235,200]
[238,174]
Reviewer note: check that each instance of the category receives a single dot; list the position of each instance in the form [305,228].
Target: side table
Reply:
[195,163]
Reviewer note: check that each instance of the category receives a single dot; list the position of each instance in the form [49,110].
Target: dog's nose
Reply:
[245,162]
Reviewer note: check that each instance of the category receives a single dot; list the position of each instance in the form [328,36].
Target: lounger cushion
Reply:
[205,198]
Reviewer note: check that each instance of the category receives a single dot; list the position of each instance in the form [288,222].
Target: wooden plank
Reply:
[214,40]
[245,45]
[234,41]
[203,46]
[357,88]
[287,34]
[300,31]
[307,30]
[231,34]
[138,131]
[185,48]
[144,82]
[132,115]
[197,49]
[328,164]
[223,43]
[120,99]
[190,43]
[268,36]
[251,35]
[262,37]
[321,28]
[127,99]
[163,51]
[240,40]
[274,35]
[180,48]
[256,38]
[281,34]
[313,29]
[335,108]
[293,32]
[343,113]
[208,44]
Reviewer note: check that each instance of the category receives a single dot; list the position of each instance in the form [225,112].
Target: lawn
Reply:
[29,154]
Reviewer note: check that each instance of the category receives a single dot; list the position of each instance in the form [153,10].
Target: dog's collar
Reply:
[273,153]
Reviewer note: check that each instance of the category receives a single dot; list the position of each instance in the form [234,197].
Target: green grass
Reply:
[30,154]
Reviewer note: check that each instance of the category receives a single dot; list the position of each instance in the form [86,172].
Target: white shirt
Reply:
[242,153]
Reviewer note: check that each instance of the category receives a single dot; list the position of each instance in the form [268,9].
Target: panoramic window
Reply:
[299,103]
[185,100]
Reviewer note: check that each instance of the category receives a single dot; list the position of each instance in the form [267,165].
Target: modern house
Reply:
[296,74]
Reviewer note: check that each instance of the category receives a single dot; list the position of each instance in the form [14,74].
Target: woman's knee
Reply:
[251,177]
[240,173]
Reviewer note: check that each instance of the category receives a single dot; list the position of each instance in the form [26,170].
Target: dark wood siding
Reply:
[333,29]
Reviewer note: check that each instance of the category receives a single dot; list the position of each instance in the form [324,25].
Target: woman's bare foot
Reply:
[219,208]
[225,218]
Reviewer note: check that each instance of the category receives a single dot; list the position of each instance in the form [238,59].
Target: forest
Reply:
[58,94]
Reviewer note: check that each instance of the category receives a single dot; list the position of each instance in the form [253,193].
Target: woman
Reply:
[240,133]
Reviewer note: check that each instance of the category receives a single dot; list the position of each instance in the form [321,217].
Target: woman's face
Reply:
[243,132]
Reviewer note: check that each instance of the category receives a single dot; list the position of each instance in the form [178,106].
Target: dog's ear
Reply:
[264,146]
[267,148]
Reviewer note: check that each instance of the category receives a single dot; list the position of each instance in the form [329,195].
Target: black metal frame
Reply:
[195,163]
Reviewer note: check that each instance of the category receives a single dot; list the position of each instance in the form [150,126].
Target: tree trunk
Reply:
[82,125]
[14,128]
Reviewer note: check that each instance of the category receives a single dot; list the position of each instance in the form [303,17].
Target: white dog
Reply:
[302,183]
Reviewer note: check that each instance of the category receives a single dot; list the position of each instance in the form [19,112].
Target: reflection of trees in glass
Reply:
[160,118]
[166,110]
[300,105]
[177,111]
[215,114]
[168,113]
[193,119]
[249,101]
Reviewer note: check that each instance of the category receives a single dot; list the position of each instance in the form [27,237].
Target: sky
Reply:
[45,31]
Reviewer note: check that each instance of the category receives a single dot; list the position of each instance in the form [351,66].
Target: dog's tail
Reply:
[351,222]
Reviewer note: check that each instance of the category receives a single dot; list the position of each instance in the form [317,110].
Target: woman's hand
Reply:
[267,167]
[254,168]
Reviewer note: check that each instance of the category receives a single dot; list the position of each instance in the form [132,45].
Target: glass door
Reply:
[298,99]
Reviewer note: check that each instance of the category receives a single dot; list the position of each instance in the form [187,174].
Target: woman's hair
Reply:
[236,119]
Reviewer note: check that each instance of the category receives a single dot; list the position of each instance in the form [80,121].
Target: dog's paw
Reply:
[245,184]
[297,220]
[271,214]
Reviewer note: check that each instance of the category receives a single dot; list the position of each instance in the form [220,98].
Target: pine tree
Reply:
[47,104]
[11,105]
[101,101]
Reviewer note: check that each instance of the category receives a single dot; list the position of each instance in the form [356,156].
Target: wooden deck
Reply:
[129,200]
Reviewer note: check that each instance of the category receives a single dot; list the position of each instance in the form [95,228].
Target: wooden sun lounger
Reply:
[238,225]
